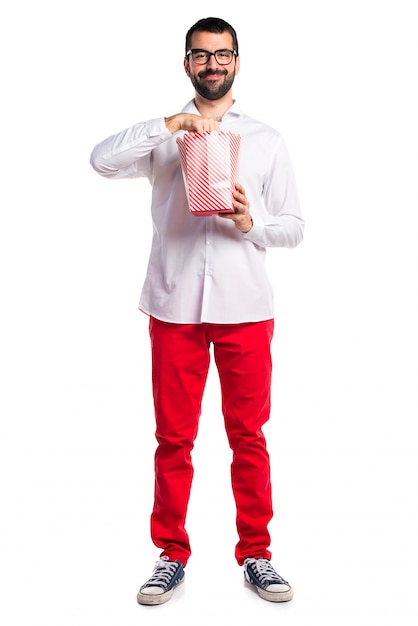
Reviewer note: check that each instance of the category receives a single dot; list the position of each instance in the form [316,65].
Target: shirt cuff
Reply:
[157,127]
[256,233]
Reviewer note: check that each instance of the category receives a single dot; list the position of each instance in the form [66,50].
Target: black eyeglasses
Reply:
[201,57]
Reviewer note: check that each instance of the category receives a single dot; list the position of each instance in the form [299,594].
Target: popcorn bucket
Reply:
[209,162]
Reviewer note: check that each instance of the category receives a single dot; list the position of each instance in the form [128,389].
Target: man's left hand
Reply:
[241,215]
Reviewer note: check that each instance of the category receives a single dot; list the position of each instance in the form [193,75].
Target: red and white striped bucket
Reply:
[209,162]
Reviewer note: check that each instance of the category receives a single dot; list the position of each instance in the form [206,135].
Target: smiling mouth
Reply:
[211,75]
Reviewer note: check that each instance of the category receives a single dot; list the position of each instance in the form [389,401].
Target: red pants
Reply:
[180,362]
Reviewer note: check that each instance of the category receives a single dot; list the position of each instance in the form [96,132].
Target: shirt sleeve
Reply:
[281,224]
[127,154]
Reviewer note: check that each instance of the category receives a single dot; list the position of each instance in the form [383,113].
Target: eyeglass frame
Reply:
[234,53]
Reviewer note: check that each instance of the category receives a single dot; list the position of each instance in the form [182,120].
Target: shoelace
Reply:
[163,573]
[265,572]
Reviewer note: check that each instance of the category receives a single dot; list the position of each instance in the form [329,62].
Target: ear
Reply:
[237,65]
[186,66]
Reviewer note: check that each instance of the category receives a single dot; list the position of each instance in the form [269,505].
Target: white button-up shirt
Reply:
[202,268]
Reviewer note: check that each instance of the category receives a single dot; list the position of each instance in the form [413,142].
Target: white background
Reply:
[339,81]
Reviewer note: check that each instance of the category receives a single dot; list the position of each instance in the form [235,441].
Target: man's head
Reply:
[212,25]
[211,60]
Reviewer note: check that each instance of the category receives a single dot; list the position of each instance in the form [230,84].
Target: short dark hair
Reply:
[212,25]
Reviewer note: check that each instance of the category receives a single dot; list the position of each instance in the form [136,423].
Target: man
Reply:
[206,284]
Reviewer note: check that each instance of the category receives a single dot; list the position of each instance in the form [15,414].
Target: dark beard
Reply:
[212,92]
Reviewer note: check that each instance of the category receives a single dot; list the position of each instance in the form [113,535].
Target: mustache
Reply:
[212,73]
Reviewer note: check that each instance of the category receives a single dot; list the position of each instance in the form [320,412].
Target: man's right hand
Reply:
[191,123]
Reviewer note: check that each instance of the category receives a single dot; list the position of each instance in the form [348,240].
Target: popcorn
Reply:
[209,163]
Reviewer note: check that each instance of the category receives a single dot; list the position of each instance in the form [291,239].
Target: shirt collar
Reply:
[233,112]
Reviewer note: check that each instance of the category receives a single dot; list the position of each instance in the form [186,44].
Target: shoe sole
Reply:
[283,596]
[271,596]
[151,599]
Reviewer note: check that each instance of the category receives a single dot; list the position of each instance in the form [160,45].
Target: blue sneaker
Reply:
[159,588]
[270,586]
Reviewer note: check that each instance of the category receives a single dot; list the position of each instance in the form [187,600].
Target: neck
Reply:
[213,109]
